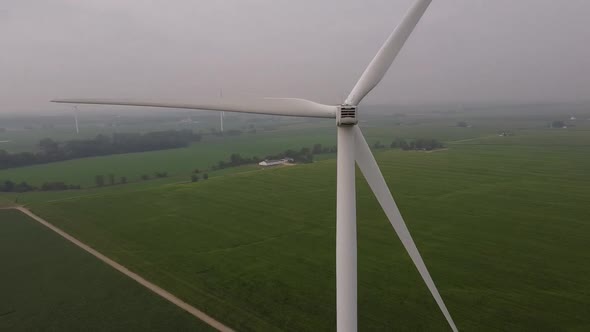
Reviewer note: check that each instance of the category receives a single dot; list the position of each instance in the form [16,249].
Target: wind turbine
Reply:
[352,147]
[76,119]
[222,113]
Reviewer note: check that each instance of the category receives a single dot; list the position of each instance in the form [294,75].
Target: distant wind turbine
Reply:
[222,114]
[76,119]
[352,147]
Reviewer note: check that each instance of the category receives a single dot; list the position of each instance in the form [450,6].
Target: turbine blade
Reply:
[384,58]
[274,106]
[368,166]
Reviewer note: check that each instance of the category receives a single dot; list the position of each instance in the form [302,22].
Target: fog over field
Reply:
[471,51]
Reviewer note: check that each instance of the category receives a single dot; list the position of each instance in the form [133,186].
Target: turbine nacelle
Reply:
[346,115]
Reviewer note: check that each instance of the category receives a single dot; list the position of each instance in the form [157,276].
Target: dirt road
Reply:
[163,293]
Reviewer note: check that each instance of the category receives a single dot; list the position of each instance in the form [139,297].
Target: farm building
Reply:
[269,162]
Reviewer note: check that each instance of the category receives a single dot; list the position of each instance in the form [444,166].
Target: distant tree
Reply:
[99,180]
[417,144]
[194,178]
[378,145]
[557,124]
[288,153]
[8,186]
[123,180]
[462,124]
[205,176]
[196,171]
[51,151]
[234,132]
[50,186]
[48,146]
[145,177]
[111,179]
[403,144]
[160,174]
[235,159]
[317,148]
[23,187]
[304,155]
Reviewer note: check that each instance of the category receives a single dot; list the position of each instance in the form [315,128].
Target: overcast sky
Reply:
[463,51]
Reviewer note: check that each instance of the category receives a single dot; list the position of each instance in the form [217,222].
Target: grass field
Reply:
[175,162]
[502,223]
[279,136]
[180,162]
[202,155]
[48,284]
[503,228]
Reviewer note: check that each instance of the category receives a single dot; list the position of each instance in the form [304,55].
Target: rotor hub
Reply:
[346,115]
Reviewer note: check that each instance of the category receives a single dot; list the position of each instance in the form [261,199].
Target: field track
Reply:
[161,292]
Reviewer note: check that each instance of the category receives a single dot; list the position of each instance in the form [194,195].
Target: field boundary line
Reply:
[154,288]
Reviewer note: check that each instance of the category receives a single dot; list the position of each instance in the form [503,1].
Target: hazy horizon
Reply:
[463,51]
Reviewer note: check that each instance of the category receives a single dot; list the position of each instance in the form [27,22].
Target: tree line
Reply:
[111,180]
[195,176]
[52,151]
[10,186]
[304,155]
[416,144]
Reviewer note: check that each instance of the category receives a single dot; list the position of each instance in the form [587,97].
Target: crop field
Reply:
[48,284]
[180,162]
[278,136]
[175,161]
[202,155]
[502,223]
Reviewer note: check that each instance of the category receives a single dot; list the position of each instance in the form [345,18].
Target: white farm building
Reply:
[269,162]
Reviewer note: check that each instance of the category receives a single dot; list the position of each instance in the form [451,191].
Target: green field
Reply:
[202,155]
[502,223]
[502,227]
[274,135]
[48,284]
[175,161]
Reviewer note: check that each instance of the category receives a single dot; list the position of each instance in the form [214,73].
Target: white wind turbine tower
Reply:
[222,113]
[76,119]
[352,147]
